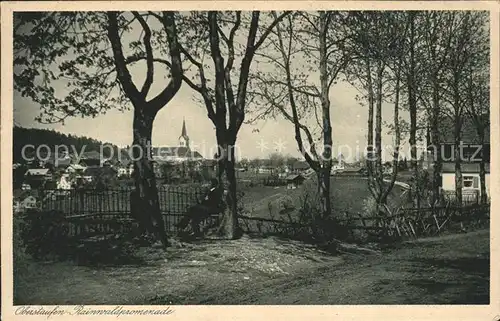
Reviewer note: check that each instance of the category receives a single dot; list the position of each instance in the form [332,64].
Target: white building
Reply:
[471,182]
[64,182]
[471,153]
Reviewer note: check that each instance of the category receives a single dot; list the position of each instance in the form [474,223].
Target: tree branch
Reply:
[270,28]
[168,21]
[149,54]
[122,71]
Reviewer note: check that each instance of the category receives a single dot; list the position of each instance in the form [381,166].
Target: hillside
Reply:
[51,138]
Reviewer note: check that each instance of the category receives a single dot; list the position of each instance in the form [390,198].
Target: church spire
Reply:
[184,131]
[184,138]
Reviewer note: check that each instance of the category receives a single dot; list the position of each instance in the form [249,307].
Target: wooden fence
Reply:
[92,212]
[173,200]
[406,224]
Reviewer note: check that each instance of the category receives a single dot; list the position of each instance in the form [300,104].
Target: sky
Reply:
[348,118]
[257,140]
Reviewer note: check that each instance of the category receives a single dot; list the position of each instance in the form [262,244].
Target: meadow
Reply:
[349,196]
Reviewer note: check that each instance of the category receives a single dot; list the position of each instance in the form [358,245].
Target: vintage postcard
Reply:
[247,160]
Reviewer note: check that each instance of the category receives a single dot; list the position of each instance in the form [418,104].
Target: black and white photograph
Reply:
[163,158]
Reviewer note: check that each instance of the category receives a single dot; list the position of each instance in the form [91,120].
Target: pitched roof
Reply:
[77,167]
[294,177]
[91,155]
[469,132]
[37,171]
[465,167]
[301,165]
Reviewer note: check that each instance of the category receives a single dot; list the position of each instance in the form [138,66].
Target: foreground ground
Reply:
[452,269]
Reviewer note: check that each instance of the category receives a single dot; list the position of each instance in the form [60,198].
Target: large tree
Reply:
[213,44]
[378,39]
[82,64]
[469,41]
[477,101]
[302,62]
[436,28]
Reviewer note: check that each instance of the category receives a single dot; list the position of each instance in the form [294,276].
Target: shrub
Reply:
[369,207]
[324,230]
[44,234]
[20,254]
[282,205]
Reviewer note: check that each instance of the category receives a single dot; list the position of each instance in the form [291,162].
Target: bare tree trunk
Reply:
[145,203]
[482,179]
[379,178]
[324,184]
[370,149]
[482,169]
[227,181]
[436,176]
[458,161]
[397,140]
[412,101]
[325,106]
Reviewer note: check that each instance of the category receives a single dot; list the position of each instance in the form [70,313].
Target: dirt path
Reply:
[449,270]
[452,269]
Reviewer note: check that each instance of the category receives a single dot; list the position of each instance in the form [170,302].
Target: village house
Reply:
[338,164]
[77,169]
[470,163]
[294,181]
[300,167]
[124,167]
[266,169]
[122,171]
[25,187]
[94,172]
[91,158]
[64,182]
[24,200]
[37,177]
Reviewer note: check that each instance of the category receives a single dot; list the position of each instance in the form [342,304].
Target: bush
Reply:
[324,230]
[20,254]
[44,234]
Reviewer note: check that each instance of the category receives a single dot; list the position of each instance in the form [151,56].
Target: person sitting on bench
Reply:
[210,205]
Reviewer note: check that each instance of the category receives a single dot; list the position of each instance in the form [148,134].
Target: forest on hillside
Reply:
[38,137]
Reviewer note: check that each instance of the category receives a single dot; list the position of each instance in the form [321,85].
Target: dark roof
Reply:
[294,177]
[177,151]
[91,161]
[466,168]
[301,165]
[469,133]
[91,155]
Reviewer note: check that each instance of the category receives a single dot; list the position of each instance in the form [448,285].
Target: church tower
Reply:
[184,138]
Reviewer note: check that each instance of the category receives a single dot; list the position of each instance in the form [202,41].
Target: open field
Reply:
[347,194]
[453,269]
